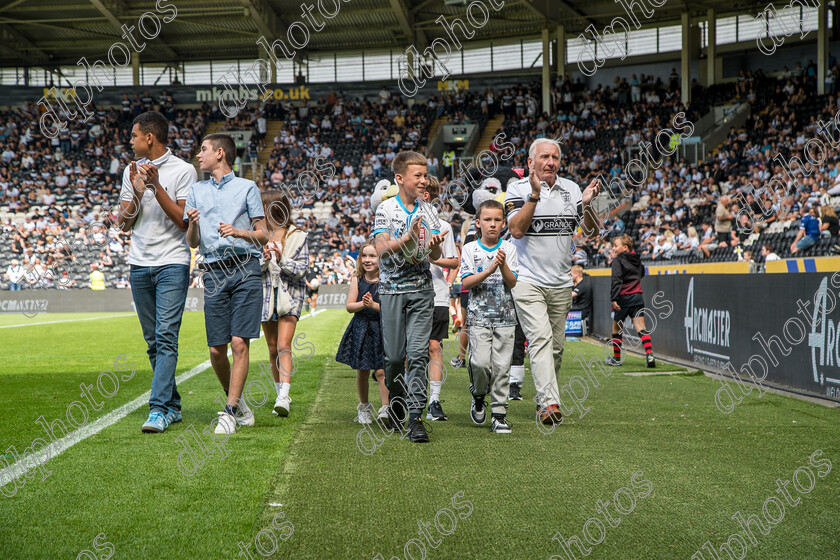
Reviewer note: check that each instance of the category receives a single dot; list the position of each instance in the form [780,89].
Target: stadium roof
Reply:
[50,33]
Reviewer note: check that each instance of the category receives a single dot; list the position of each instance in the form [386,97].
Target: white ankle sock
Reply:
[277,386]
[436,385]
[284,390]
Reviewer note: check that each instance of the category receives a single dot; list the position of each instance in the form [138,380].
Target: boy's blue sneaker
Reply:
[172,416]
[155,424]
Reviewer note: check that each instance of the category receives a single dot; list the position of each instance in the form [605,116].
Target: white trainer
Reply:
[226,425]
[383,412]
[281,405]
[364,415]
[245,416]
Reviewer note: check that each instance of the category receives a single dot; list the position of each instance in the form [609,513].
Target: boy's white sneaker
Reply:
[281,405]
[364,413]
[226,425]
[245,416]
[383,412]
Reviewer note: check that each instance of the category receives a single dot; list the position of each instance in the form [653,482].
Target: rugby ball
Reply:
[314,283]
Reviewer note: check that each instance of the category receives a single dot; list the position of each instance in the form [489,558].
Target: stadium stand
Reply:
[56,192]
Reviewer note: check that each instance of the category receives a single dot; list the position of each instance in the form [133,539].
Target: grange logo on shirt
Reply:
[552,226]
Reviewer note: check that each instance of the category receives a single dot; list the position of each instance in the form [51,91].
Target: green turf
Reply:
[523,488]
[124,483]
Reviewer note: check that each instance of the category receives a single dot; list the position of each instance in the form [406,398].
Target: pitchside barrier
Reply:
[780,329]
[32,302]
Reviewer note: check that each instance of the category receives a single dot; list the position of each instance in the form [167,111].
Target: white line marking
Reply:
[311,314]
[712,354]
[642,373]
[68,321]
[56,448]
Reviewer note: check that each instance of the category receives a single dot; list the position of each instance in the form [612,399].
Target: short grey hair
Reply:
[533,149]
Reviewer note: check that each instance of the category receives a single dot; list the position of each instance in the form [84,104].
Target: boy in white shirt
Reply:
[489,267]
[440,319]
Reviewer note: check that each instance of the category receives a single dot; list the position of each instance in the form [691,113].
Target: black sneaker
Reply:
[515,392]
[612,361]
[457,362]
[651,361]
[477,412]
[396,416]
[435,412]
[499,424]
[417,431]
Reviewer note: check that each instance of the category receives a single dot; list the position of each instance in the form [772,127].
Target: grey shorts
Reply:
[233,300]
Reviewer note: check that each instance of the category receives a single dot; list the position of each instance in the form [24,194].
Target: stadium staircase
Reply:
[489,132]
[438,122]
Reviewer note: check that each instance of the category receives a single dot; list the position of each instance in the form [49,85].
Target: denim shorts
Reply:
[233,299]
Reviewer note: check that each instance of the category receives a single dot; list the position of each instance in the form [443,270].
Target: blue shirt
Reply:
[811,225]
[235,201]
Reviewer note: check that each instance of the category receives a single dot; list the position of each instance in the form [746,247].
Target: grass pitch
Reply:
[509,494]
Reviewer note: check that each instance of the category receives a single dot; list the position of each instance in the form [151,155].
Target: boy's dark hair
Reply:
[226,143]
[489,204]
[154,123]
[482,206]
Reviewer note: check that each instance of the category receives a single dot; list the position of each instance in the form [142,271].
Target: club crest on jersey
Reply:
[538,226]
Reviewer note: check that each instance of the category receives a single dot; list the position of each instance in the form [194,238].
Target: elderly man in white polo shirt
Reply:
[543,212]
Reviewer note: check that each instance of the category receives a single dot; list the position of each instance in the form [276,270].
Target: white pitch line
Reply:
[67,321]
[56,448]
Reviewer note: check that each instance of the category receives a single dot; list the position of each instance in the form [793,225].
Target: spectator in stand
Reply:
[809,231]
[723,222]
[828,221]
[579,256]
[14,274]
[768,253]
[708,241]
[96,278]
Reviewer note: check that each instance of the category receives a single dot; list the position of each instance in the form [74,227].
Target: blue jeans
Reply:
[159,294]
[806,242]
[15,286]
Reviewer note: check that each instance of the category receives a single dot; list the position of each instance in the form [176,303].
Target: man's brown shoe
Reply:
[551,415]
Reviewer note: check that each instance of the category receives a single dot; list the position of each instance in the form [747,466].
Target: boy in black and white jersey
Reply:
[407,233]
[489,269]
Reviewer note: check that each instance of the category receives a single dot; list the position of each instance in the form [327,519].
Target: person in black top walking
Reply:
[582,294]
[361,347]
[626,297]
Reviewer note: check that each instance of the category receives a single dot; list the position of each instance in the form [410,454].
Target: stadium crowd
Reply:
[58,192]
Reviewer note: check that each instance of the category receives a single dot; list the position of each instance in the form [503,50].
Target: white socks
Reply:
[436,385]
[282,389]
[517,374]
